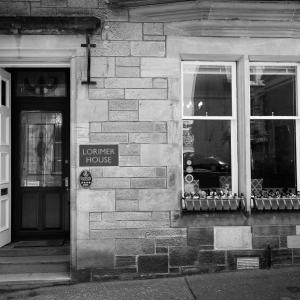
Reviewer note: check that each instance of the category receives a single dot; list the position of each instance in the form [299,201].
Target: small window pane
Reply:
[3,93]
[41,148]
[273,91]
[273,153]
[207,90]
[206,155]
[41,84]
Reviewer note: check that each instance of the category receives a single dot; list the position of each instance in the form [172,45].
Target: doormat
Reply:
[40,243]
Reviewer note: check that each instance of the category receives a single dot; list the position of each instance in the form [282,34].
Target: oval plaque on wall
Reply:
[85,178]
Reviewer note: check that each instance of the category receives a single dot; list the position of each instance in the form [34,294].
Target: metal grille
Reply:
[246,263]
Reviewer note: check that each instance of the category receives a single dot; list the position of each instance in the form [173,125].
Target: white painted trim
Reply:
[297,133]
[232,118]
[274,117]
[52,58]
[296,118]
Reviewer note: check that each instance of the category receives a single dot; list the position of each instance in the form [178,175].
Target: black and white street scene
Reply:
[150,149]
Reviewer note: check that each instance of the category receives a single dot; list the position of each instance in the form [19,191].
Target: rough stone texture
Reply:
[98,94]
[293,241]
[128,71]
[128,83]
[92,111]
[102,66]
[153,28]
[174,241]
[132,172]
[158,110]
[282,257]
[134,246]
[125,261]
[153,264]
[134,127]
[126,216]
[123,104]
[55,3]
[159,154]
[148,48]
[95,126]
[157,221]
[148,94]
[88,200]
[127,205]
[123,115]
[122,31]
[160,83]
[232,237]
[129,161]
[148,138]
[129,149]
[111,48]
[198,237]
[128,61]
[108,138]
[95,254]
[108,183]
[152,199]
[87,3]
[127,194]
[160,67]
[99,83]
[148,183]
[154,38]
[263,242]
[183,256]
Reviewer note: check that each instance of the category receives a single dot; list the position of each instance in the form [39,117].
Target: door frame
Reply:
[17,55]
[25,103]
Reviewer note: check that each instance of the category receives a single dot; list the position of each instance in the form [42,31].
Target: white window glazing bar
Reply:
[297,128]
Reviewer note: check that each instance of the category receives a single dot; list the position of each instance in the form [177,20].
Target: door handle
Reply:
[66,182]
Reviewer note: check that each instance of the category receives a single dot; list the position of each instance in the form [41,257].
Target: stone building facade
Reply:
[133,219]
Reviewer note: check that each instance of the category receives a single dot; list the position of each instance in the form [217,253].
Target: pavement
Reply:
[281,284]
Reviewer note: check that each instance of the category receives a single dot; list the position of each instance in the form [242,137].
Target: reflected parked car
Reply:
[204,164]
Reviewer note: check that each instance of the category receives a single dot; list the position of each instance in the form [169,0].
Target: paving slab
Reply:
[154,289]
[247,285]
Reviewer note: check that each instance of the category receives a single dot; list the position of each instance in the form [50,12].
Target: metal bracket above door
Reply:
[88,47]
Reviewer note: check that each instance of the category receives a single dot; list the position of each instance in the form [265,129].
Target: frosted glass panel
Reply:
[41,148]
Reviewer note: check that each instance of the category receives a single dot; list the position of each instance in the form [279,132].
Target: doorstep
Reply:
[32,280]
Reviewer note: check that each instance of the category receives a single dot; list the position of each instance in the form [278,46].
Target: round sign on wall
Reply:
[85,178]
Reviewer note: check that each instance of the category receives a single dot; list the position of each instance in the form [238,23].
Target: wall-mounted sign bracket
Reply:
[88,47]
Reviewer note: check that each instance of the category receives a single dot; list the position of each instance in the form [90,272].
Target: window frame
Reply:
[232,118]
[296,117]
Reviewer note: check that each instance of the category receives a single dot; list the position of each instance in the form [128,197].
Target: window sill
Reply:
[212,205]
[276,204]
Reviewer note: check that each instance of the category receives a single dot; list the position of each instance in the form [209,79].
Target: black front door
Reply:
[40,155]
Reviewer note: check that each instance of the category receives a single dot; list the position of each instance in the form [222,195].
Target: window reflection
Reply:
[207,90]
[273,153]
[273,91]
[206,154]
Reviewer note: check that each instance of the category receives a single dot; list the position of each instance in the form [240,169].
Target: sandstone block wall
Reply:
[128,221]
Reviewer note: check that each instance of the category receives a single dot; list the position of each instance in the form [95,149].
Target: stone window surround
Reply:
[243,51]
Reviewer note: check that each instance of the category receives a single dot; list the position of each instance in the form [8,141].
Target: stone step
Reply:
[34,264]
[34,251]
[23,281]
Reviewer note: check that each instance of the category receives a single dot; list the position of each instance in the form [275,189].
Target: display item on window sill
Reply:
[275,200]
[212,201]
